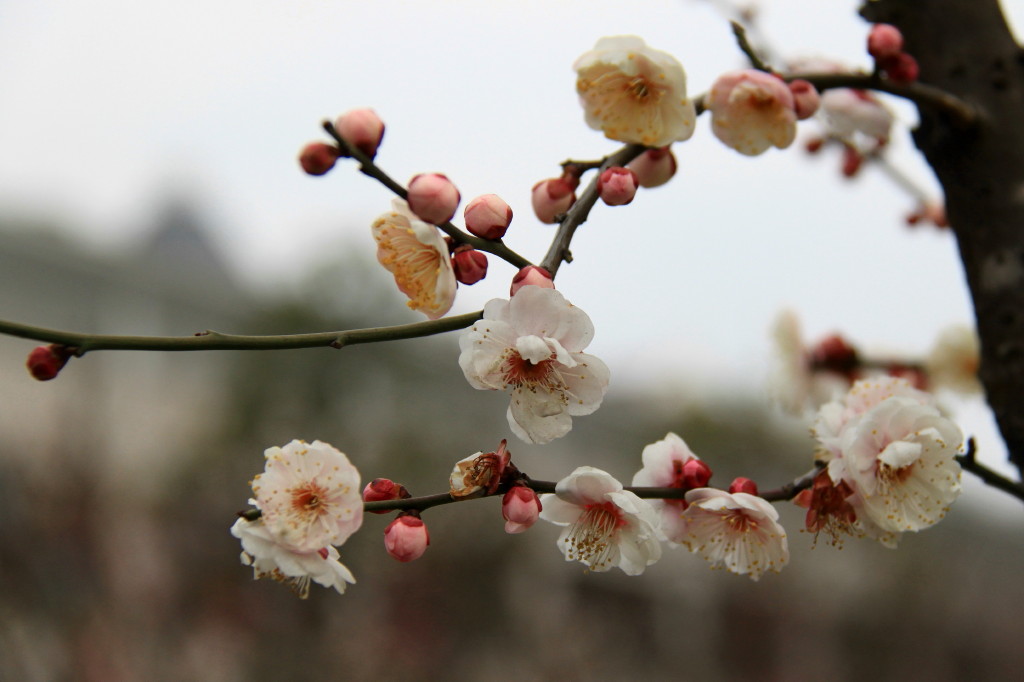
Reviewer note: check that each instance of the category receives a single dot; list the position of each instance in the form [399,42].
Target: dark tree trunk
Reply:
[966,48]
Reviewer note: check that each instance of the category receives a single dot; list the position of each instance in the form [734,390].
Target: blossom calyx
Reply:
[316,158]
[531,275]
[469,264]
[406,538]
[361,128]
[433,198]
[45,362]
[617,185]
[488,216]
[521,508]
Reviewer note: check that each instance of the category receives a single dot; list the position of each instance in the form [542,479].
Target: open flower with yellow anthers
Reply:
[417,255]
[605,526]
[531,347]
[634,93]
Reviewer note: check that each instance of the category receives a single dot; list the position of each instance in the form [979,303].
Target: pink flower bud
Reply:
[316,158]
[45,362]
[900,68]
[521,508]
[534,275]
[552,198]
[814,145]
[743,485]
[380,489]
[885,40]
[696,474]
[470,265]
[654,167]
[488,216]
[806,99]
[361,128]
[433,198]
[834,354]
[852,160]
[617,186]
[406,538]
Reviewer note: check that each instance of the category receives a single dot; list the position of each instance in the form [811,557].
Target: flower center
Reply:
[642,90]
[739,522]
[309,499]
[592,538]
[521,372]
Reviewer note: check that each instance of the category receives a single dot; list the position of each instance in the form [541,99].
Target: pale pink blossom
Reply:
[605,526]
[736,531]
[751,111]
[361,128]
[664,466]
[634,93]
[488,216]
[888,442]
[433,198]
[521,508]
[271,559]
[953,361]
[406,538]
[309,496]
[531,346]
[416,254]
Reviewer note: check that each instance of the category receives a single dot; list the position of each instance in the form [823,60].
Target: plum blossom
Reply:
[605,526]
[850,113]
[270,559]
[795,382]
[890,445]
[309,496]
[531,346]
[953,361]
[634,93]
[665,466]
[416,254]
[736,531]
[480,473]
[751,111]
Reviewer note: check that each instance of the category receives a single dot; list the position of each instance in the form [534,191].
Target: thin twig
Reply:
[741,39]
[968,462]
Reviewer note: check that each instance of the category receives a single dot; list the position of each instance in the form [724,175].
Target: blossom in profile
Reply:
[532,347]
[796,382]
[850,114]
[271,559]
[416,254]
[605,526]
[669,463]
[309,496]
[954,359]
[634,93]
[736,531]
[751,111]
[890,445]
[521,508]
[479,474]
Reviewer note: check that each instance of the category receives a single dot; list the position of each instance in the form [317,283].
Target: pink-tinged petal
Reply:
[662,462]
[587,485]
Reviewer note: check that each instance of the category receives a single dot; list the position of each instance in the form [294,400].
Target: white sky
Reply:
[107,107]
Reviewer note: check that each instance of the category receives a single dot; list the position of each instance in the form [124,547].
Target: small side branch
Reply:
[968,462]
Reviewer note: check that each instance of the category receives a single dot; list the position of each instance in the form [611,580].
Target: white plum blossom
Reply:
[605,526]
[953,361]
[850,113]
[309,496]
[417,255]
[271,559]
[634,93]
[663,467]
[531,346]
[736,531]
[794,383]
[888,442]
[751,111]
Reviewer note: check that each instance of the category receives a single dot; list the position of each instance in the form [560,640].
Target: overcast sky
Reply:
[110,106]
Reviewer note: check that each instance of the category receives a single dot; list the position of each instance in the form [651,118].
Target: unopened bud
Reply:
[469,264]
[552,198]
[534,275]
[617,186]
[743,485]
[488,216]
[316,158]
[406,538]
[654,167]
[362,129]
[806,99]
[381,489]
[696,474]
[852,161]
[45,362]
[884,41]
[814,145]
[834,354]
[900,68]
[521,508]
[433,198]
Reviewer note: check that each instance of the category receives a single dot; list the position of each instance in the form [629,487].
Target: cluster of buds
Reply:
[362,129]
[406,538]
[488,473]
[885,44]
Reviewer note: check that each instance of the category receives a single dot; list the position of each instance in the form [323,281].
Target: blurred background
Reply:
[149,186]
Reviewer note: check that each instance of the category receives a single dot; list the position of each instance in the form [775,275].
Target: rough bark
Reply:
[966,48]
